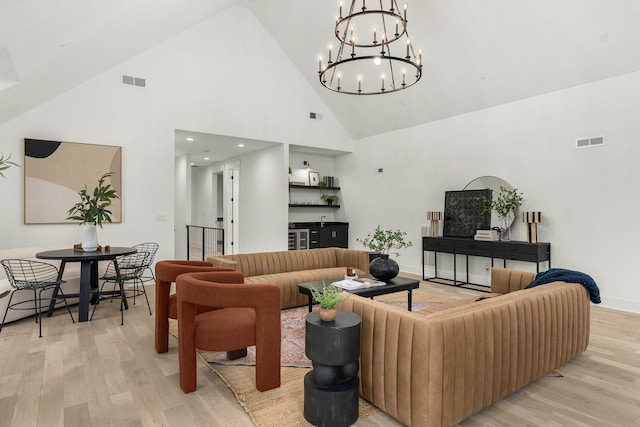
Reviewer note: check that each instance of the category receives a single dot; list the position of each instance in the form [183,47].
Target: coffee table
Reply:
[397,284]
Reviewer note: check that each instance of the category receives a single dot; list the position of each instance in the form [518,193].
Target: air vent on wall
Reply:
[594,141]
[134,81]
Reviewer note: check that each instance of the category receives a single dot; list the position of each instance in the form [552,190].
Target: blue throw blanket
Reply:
[569,276]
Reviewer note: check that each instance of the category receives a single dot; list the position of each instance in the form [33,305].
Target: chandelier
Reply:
[375,54]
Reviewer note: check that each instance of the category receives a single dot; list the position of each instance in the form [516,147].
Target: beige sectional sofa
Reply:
[441,365]
[290,268]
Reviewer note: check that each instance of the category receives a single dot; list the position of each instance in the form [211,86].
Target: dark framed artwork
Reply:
[463,213]
[54,172]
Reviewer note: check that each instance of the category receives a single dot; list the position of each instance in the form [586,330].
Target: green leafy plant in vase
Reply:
[385,242]
[328,297]
[329,198]
[93,210]
[506,206]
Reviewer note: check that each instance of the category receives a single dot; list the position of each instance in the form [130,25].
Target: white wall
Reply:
[182,206]
[201,80]
[263,201]
[204,199]
[587,196]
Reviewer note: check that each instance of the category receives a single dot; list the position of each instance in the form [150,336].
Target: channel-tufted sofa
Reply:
[288,269]
[441,365]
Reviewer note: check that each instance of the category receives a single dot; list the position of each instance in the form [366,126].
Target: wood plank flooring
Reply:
[100,373]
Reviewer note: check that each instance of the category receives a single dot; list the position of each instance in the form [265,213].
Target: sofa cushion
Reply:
[287,269]
[288,282]
[261,263]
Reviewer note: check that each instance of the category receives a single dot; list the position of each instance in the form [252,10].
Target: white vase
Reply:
[90,238]
[505,224]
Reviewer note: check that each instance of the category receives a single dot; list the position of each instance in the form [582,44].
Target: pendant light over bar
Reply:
[375,54]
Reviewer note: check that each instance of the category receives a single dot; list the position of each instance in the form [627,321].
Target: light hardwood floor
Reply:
[100,373]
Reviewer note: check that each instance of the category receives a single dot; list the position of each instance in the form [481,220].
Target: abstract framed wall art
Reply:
[54,172]
[463,213]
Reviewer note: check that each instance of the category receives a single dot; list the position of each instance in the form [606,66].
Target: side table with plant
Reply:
[92,210]
[506,206]
[328,297]
[383,242]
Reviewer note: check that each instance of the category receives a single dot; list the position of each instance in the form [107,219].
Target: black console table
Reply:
[512,250]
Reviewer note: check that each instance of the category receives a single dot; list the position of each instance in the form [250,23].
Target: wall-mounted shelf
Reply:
[301,205]
[312,187]
[312,205]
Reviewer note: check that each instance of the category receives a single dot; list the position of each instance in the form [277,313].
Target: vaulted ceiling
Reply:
[477,53]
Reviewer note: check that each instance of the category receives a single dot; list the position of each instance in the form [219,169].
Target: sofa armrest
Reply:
[505,280]
[223,263]
[352,258]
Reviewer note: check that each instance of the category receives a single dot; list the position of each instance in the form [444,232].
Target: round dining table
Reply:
[88,272]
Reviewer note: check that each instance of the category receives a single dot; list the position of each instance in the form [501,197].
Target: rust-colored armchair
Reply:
[166,273]
[248,314]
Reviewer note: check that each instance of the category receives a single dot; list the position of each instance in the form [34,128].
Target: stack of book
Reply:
[329,181]
[351,284]
[490,235]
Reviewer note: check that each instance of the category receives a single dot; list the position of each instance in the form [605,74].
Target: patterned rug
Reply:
[293,331]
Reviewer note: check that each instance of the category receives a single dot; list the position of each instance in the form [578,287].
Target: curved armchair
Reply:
[166,273]
[247,315]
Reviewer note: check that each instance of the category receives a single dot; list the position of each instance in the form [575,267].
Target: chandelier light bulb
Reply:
[377,60]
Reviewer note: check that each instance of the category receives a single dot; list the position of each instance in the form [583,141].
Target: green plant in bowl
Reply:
[328,297]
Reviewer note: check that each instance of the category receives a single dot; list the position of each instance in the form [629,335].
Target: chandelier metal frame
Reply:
[353,51]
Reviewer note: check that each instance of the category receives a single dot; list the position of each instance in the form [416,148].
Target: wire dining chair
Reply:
[131,268]
[37,277]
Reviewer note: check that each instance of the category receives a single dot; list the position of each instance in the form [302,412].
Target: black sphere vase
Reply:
[383,268]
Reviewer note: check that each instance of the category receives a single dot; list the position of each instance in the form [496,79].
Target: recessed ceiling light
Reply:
[206,158]
[240,145]
[190,139]
[192,164]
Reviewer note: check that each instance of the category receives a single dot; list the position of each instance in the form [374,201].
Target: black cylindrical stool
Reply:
[331,389]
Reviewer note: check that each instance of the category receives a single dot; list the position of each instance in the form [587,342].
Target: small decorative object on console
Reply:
[532,219]
[435,217]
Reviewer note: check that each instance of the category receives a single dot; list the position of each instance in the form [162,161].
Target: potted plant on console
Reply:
[92,210]
[328,297]
[506,206]
[382,242]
